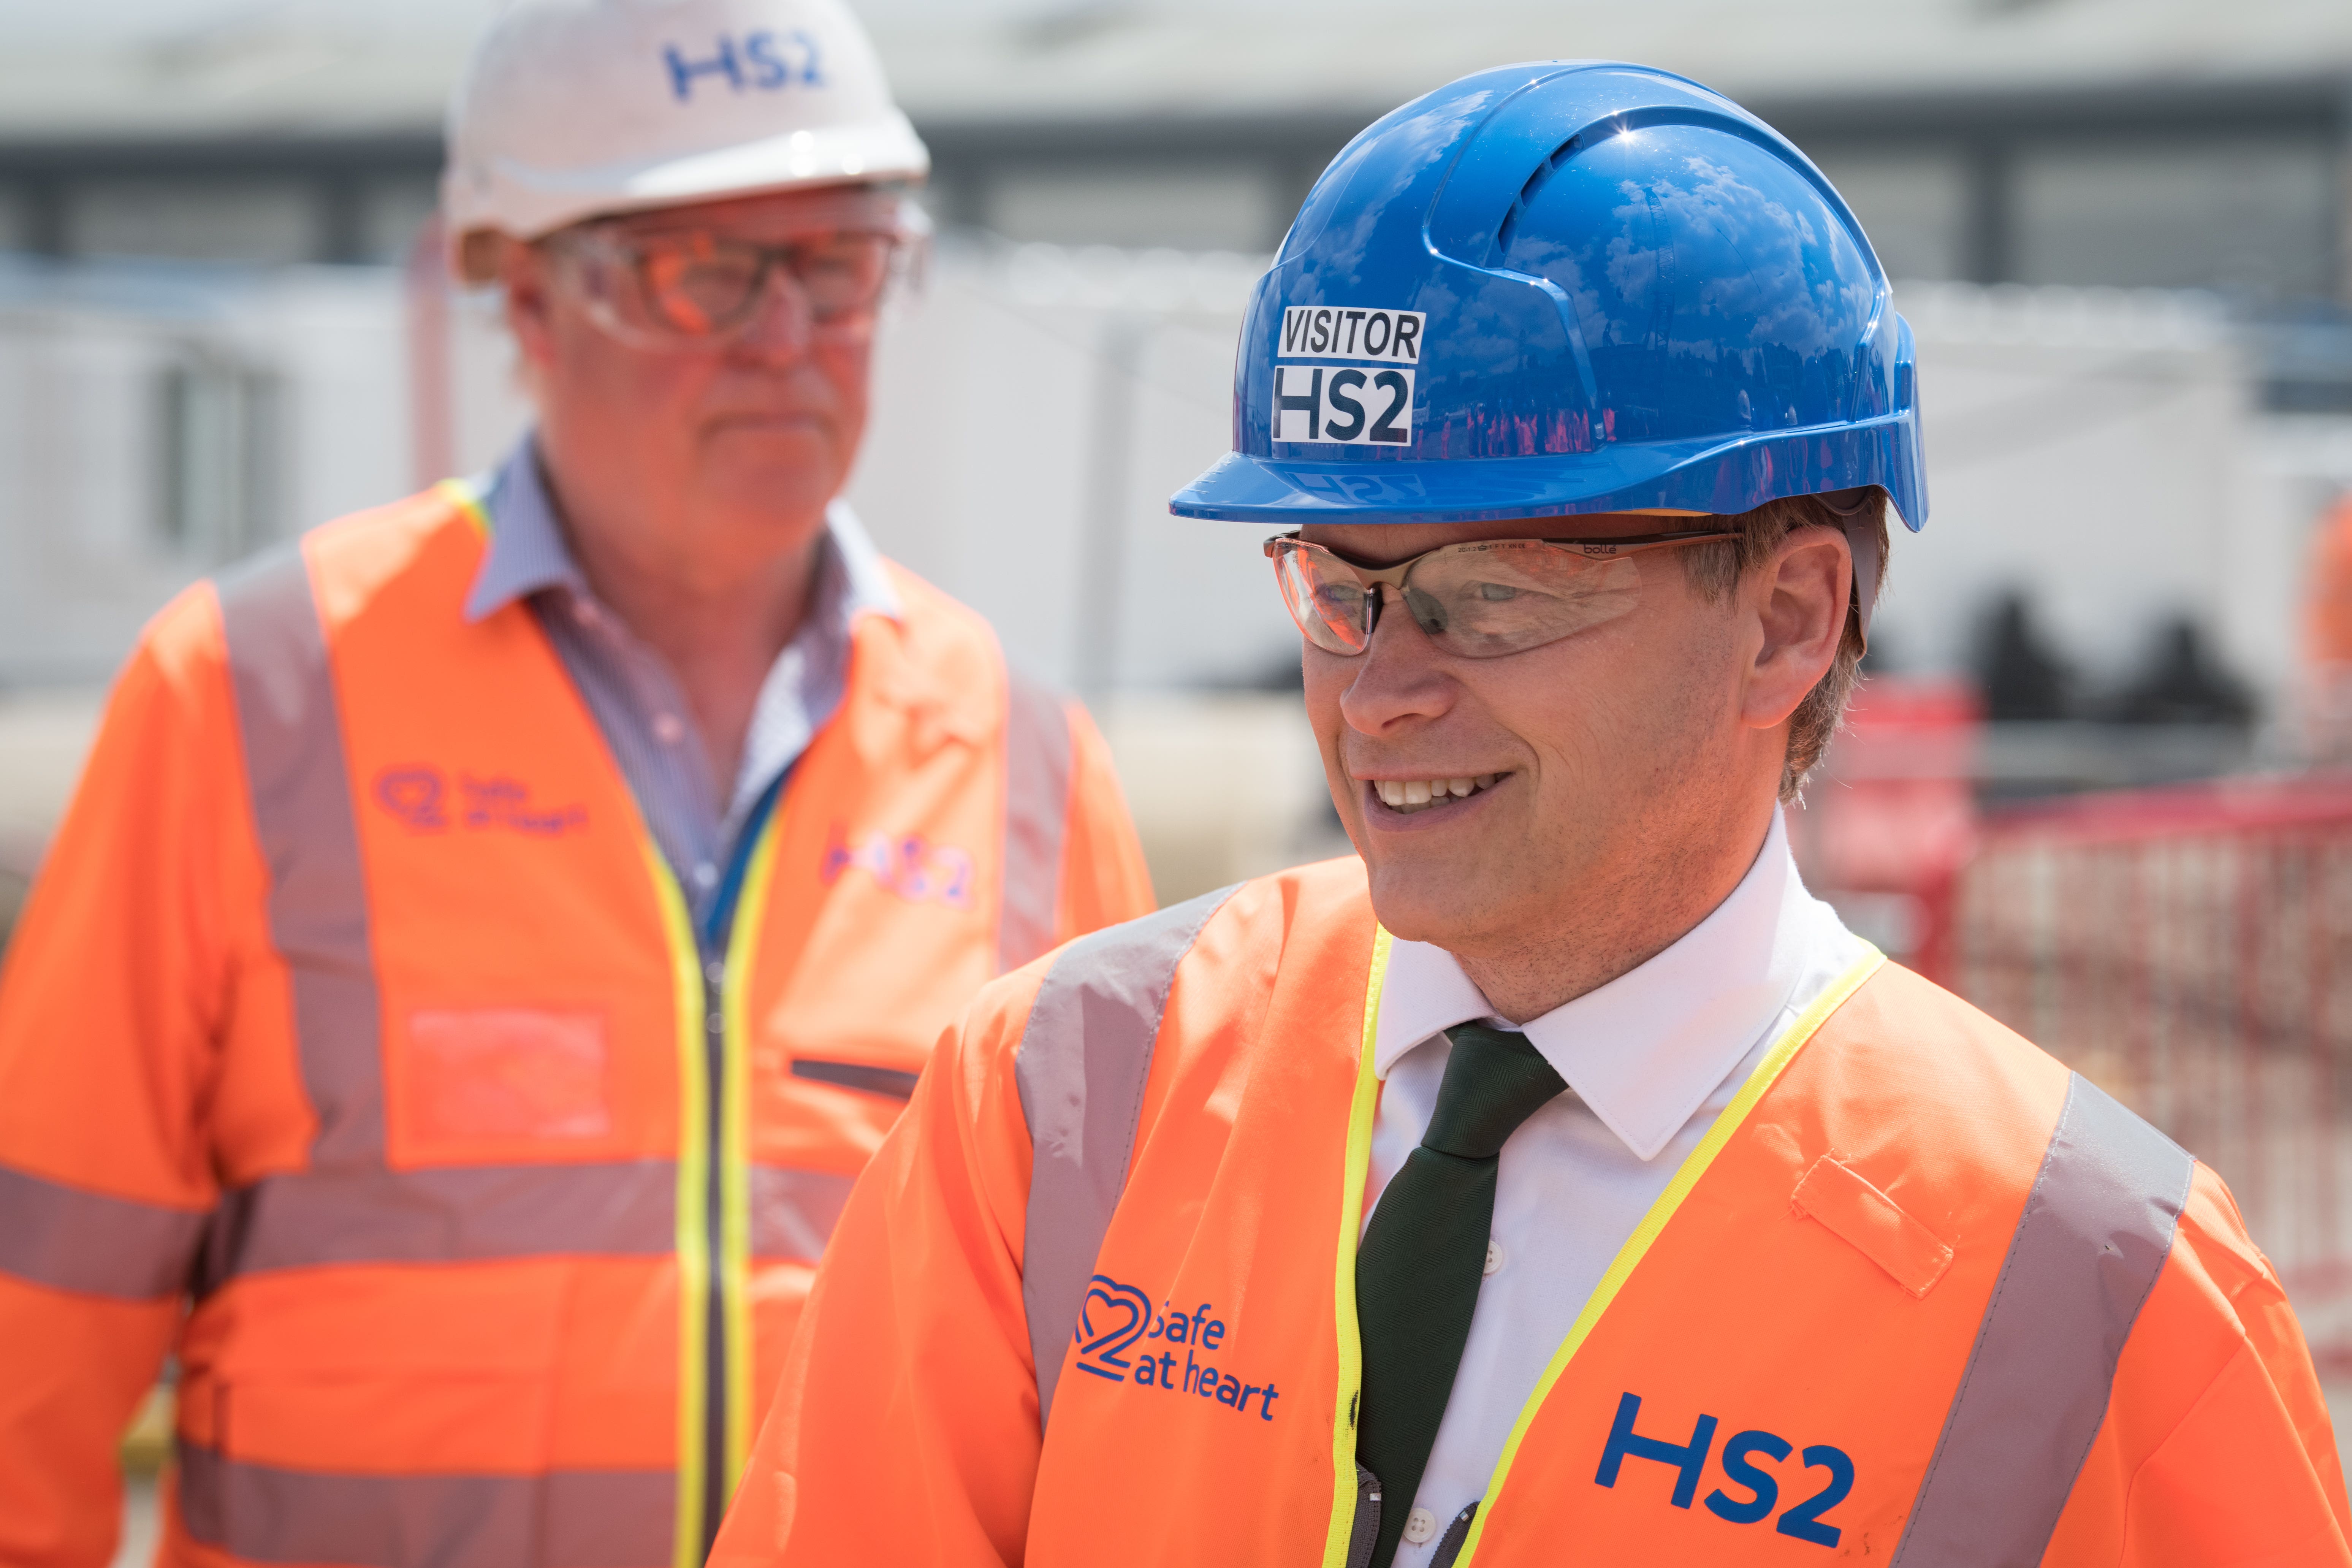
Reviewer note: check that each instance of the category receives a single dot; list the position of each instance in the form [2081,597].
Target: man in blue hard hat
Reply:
[1561,1179]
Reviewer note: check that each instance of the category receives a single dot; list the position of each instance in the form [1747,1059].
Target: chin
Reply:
[1437,905]
[788,479]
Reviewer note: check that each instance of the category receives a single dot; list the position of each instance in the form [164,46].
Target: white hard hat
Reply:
[572,107]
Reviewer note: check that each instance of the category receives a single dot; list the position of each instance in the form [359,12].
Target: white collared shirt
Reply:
[1650,1060]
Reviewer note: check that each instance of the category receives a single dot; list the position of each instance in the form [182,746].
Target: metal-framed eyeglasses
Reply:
[1479,600]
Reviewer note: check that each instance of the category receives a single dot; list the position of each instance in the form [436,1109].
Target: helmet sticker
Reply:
[1332,332]
[1340,402]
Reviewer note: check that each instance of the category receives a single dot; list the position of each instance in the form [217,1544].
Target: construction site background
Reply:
[2093,781]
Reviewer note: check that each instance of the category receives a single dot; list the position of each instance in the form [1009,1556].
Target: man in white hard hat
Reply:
[493,933]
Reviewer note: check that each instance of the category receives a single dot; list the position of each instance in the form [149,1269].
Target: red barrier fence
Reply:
[2189,950]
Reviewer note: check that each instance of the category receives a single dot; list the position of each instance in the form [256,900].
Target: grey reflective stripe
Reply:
[1085,1055]
[794,1212]
[1036,801]
[302,809]
[445,1214]
[479,1212]
[70,1240]
[2097,1227]
[565,1519]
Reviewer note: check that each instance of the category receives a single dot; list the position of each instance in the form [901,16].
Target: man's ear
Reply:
[1799,599]
[522,274]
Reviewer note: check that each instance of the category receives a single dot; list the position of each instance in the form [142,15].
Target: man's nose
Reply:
[1396,678]
[782,322]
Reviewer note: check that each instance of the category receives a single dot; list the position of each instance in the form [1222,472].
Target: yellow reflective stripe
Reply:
[461,495]
[693,1175]
[1637,1245]
[735,1170]
[1343,1283]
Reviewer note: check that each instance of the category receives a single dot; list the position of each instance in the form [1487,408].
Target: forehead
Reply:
[775,215]
[1373,542]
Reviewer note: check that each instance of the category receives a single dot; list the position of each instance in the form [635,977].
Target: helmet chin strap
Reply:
[1862,538]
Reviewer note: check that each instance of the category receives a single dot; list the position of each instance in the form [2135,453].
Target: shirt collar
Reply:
[1645,1050]
[527,552]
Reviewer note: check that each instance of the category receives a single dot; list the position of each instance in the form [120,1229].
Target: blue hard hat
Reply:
[1567,287]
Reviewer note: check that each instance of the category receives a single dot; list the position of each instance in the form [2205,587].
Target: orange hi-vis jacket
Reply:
[1920,1295]
[354,1003]
[2327,622]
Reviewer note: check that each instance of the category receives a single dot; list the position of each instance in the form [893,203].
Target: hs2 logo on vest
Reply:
[917,870]
[419,797]
[1688,1461]
[1116,1326]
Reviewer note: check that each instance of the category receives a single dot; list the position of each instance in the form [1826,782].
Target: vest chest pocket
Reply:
[478,1076]
[1850,1209]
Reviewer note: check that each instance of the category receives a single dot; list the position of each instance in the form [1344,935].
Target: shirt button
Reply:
[667,729]
[715,1024]
[715,971]
[705,876]
[1494,1256]
[1419,1527]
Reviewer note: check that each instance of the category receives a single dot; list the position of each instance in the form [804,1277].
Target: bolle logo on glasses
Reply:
[1340,403]
[1116,1327]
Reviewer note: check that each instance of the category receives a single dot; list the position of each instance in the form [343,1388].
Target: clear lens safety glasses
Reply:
[1479,600]
[660,287]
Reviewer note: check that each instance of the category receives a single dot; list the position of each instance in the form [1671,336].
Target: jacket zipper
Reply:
[1365,1534]
[715,1382]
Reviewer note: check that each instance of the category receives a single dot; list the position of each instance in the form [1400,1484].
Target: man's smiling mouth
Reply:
[1406,796]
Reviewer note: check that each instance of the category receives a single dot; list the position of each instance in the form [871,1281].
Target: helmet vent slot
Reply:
[1510,223]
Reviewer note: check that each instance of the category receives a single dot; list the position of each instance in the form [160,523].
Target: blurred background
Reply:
[2091,784]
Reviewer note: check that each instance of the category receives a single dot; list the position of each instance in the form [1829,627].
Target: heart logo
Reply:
[1111,1318]
[413,796]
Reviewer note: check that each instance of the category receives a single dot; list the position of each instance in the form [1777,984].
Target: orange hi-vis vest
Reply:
[355,1003]
[1920,1295]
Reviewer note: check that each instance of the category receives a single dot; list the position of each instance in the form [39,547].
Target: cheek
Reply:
[847,372]
[630,382]
[1326,678]
[1600,704]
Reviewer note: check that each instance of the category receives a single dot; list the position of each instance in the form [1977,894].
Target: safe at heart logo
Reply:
[1115,1320]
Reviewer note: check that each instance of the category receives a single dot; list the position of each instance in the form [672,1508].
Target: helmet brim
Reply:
[528,203]
[1721,476]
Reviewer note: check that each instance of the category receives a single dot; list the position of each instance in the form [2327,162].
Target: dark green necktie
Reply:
[1424,1255]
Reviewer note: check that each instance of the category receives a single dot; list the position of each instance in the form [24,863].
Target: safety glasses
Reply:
[1480,600]
[671,287]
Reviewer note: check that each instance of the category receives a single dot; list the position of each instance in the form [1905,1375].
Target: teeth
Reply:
[1409,795]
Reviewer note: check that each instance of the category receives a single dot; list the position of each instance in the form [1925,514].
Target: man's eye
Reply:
[1494,592]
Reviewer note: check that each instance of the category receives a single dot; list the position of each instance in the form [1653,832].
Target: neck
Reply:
[718,617]
[1623,915]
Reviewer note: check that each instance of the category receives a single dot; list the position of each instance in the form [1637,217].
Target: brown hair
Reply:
[1713,570]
